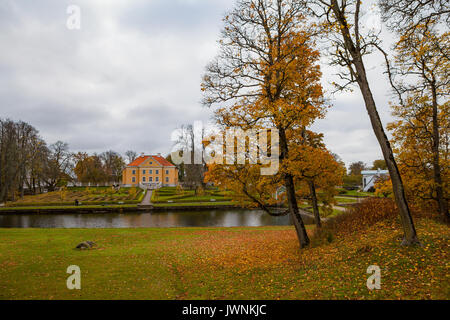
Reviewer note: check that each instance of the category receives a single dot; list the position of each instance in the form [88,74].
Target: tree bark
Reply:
[442,202]
[312,190]
[410,235]
[4,192]
[294,212]
[291,197]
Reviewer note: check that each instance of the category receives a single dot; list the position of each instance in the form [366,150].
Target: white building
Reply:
[371,176]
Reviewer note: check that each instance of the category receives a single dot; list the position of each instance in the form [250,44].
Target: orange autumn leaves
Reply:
[267,76]
[245,184]
[420,134]
[265,262]
[315,164]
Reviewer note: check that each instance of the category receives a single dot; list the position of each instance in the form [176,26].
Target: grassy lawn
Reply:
[357,193]
[346,200]
[307,207]
[333,214]
[223,263]
[86,195]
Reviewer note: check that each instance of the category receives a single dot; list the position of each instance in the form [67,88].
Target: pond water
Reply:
[162,219]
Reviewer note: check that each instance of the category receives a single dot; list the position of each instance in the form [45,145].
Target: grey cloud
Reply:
[132,75]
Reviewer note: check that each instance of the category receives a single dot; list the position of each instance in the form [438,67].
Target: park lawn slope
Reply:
[223,263]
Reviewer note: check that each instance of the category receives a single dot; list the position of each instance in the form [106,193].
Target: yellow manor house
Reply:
[150,171]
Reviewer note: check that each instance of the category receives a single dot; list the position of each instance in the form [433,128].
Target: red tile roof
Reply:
[138,161]
[162,161]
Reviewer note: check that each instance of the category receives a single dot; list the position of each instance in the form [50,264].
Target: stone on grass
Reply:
[86,245]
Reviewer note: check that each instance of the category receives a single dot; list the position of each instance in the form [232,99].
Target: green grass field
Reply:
[345,200]
[223,263]
[356,193]
[307,206]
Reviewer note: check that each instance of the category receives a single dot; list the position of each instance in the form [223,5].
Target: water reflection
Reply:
[167,219]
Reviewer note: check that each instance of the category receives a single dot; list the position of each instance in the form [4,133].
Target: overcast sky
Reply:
[131,75]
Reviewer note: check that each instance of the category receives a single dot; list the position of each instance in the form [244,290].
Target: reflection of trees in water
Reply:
[268,220]
[133,220]
[195,218]
[211,218]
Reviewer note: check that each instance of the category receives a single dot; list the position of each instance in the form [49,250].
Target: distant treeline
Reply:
[29,165]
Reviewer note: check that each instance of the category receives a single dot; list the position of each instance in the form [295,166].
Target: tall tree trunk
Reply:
[291,197]
[294,212]
[442,202]
[4,193]
[312,191]
[410,235]
[22,185]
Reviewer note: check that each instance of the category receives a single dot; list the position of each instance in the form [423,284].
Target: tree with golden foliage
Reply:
[246,185]
[89,169]
[383,187]
[266,76]
[422,66]
[413,139]
[314,168]
[349,42]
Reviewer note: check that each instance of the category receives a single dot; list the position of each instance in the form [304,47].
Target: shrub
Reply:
[330,237]
[179,190]
[358,217]
[200,191]
[132,192]
[63,193]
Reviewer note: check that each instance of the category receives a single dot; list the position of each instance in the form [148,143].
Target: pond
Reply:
[161,219]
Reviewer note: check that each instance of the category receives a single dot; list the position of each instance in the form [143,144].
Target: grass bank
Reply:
[223,263]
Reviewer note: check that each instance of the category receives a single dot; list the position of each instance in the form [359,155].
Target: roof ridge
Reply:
[158,158]
[163,161]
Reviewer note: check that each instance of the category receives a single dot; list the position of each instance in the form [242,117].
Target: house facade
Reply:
[150,171]
[369,177]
